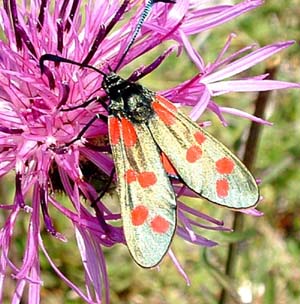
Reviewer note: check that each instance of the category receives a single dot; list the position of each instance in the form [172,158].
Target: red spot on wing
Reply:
[200,137]
[139,215]
[130,176]
[193,154]
[159,224]
[147,179]
[167,164]
[225,165]
[129,134]
[166,103]
[114,130]
[163,113]
[222,187]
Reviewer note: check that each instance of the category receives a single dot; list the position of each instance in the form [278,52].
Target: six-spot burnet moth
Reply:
[151,139]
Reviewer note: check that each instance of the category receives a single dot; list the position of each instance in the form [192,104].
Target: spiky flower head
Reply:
[34,119]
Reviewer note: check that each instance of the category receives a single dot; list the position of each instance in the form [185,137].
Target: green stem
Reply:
[249,157]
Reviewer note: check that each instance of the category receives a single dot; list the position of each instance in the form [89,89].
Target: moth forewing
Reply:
[204,164]
[148,204]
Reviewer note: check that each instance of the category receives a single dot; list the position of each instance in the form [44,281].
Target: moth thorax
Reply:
[128,99]
[138,108]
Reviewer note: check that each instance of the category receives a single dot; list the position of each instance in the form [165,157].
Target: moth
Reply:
[151,140]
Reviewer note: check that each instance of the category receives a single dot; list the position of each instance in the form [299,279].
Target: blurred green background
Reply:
[268,264]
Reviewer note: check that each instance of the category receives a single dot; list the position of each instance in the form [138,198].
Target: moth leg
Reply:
[104,189]
[85,128]
[83,105]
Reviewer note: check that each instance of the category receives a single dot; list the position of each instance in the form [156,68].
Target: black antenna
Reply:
[58,59]
[138,27]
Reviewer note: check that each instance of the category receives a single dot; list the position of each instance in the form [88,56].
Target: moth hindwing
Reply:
[142,125]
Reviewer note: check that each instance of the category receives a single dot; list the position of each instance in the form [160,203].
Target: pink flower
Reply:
[212,79]
[33,120]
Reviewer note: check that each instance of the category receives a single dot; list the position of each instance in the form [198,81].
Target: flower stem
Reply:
[249,158]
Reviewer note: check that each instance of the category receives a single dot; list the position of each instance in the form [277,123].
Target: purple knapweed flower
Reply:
[34,119]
